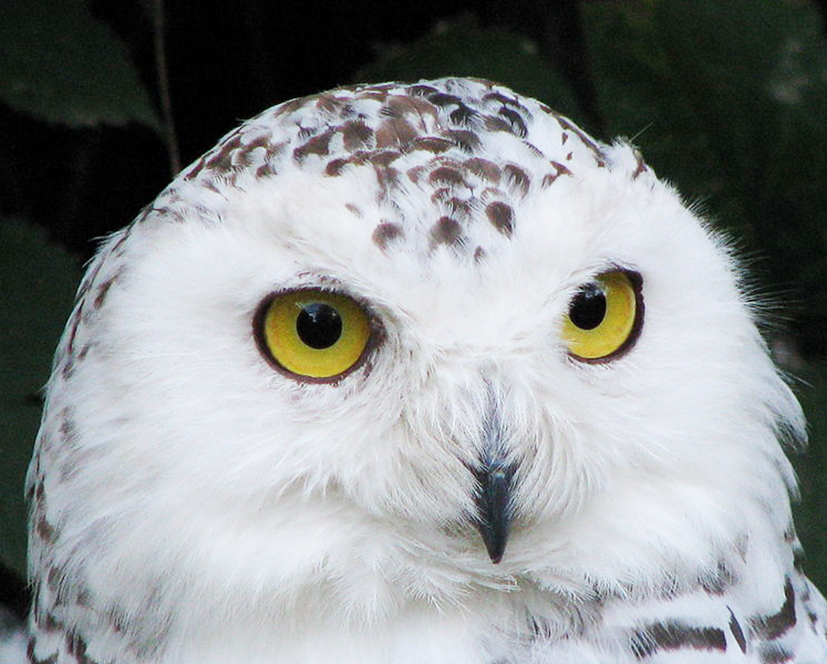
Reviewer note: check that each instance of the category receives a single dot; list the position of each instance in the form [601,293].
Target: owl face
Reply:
[432,330]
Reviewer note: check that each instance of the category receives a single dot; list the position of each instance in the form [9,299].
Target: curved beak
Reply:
[494,478]
[494,506]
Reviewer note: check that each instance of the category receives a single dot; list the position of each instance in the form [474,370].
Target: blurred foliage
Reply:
[460,47]
[39,281]
[61,65]
[725,99]
[811,510]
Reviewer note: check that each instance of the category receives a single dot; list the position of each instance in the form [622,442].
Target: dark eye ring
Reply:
[605,316]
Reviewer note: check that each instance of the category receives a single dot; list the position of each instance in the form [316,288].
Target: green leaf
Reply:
[728,100]
[39,282]
[61,65]
[459,47]
[812,473]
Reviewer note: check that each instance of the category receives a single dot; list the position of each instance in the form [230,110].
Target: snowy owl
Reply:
[416,373]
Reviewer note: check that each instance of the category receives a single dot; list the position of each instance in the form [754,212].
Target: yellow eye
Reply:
[604,317]
[313,333]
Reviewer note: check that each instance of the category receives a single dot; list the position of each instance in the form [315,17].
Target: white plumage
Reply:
[481,481]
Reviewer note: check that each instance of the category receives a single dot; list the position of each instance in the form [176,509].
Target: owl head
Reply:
[404,343]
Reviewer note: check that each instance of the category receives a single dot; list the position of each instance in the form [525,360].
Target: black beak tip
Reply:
[494,511]
[495,548]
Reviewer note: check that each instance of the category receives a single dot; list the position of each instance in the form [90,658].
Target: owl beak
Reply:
[493,505]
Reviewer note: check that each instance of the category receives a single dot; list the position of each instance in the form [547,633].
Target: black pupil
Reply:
[588,308]
[319,325]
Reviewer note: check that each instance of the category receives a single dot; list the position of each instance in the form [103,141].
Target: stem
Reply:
[163,87]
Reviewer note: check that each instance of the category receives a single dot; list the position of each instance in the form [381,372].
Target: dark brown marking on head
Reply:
[353,209]
[398,106]
[737,632]
[515,121]
[790,535]
[318,145]
[355,135]
[51,624]
[771,627]
[103,290]
[501,216]
[242,158]
[641,166]
[117,620]
[74,322]
[502,99]
[211,186]
[67,424]
[422,108]
[220,162]
[443,99]
[432,144]
[772,653]
[76,646]
[395,133]
[384,233]
[55,580]
[222,159]
[377,93]
[517,178]
[330,103]
[497,124]
[463,116]
[492,193]
[537,152]
[383,157]
[458,207]
[45,530]
[276,149]
[289,107]
[446,231]
[265,170]
[386,177]
[260,141]
[565,137]
[145,212]
[442,195]
[549,178]
[306,133]
[479,254]
[675,635]
[484,169]
[569,156]
[415,173]
[422,90]
[465,140]
[196,169]
[335,167]
[68,368]
[84,597]
[545,108]
[798,556]
[446,175]
[586,140]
